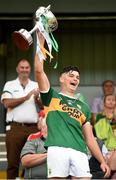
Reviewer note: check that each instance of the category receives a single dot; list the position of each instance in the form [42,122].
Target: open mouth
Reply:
[73,84]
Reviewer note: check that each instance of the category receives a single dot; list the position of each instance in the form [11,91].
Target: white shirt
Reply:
[25,112]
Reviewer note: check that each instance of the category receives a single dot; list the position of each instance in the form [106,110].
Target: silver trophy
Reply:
[23,38]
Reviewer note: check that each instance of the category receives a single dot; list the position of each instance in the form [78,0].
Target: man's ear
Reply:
[61,79]
[17,69]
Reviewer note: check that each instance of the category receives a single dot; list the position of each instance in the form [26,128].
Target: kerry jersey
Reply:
[65,117]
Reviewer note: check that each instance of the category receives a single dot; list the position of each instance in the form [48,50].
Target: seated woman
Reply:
[109,111]
[103,129]
[33,154]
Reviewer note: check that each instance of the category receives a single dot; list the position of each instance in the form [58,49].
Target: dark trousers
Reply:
[15,140]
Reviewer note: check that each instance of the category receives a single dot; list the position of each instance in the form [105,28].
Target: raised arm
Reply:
[40,75]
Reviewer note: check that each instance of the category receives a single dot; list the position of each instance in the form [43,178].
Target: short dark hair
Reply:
[70,68]
[22,60]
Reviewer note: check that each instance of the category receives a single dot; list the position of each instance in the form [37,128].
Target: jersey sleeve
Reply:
[7,91]
[29,148]
[46,97]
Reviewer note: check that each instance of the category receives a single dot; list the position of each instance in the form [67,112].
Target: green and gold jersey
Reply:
[65,117]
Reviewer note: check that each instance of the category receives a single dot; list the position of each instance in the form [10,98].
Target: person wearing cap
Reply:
[68,123]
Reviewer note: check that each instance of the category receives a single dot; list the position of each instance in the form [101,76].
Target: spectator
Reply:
[68,122]
[104,131]
[97,104]
[109,104]
[33,154]
[21,99]
[109,111]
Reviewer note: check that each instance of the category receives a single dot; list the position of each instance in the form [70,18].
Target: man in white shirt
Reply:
[21,98]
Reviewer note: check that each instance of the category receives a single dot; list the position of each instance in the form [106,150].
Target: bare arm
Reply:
[94,148]
[40,75]
[30,160]
[13,102]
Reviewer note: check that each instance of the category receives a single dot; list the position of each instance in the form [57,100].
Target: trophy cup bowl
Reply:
[51,19]
[23,38]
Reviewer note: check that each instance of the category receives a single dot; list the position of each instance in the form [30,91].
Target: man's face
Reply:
[23,69]
[108,88]
[70,80]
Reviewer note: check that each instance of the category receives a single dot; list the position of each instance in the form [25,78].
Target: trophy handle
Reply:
[34,29]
